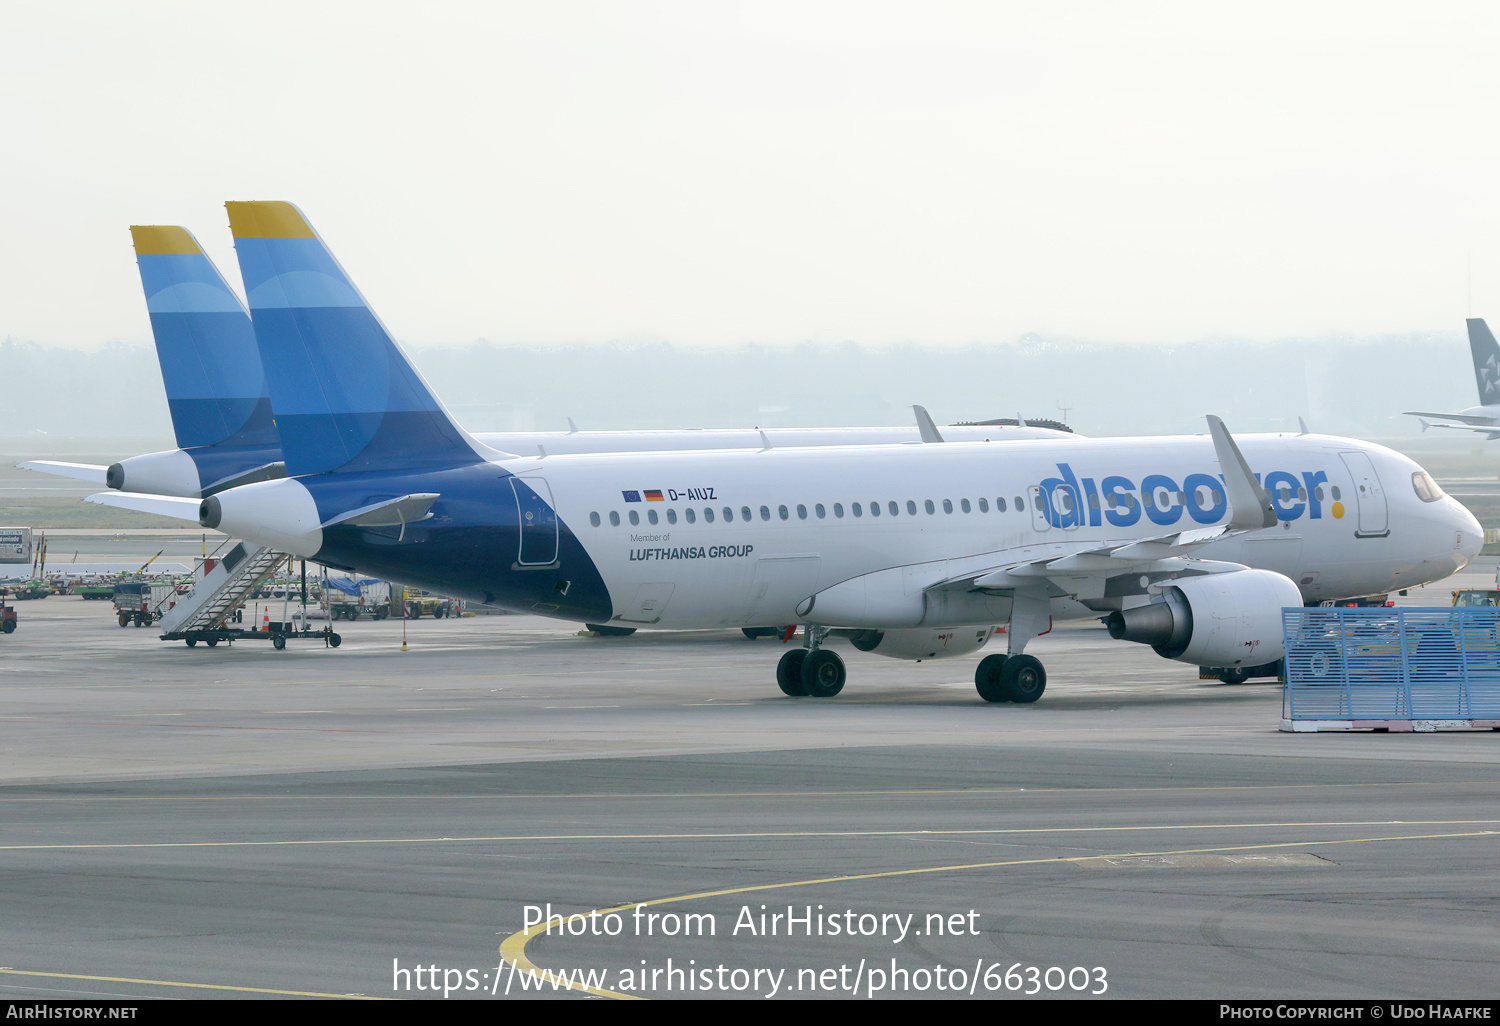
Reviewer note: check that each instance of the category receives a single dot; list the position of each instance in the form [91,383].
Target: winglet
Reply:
[925,427]
[1249,504]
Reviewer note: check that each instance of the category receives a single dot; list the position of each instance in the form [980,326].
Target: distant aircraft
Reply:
[915,552]
[1484,418]
[221,414]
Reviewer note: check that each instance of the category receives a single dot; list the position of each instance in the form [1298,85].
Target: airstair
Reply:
[222,586]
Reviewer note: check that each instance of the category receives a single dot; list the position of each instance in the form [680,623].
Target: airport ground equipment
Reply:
[142,602]
[221,587]
[7,615]
[349,598]
[1476,597]
[1407,668]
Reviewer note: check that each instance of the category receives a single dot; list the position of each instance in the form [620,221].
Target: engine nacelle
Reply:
[280,513]
[172,472]
[1226,620]
[922,642]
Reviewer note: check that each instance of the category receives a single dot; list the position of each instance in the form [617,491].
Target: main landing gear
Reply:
[1010,678]
[813,670]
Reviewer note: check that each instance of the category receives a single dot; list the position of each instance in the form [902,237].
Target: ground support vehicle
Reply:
[142,602]
[7,616]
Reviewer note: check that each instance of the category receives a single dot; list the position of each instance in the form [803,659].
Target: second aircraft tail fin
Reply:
[1486,361]
[216,390]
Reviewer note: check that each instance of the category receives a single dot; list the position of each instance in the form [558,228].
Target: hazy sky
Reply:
[716,173]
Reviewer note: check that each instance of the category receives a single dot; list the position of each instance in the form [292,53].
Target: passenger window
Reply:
[999,505]
[930,508]
[802,511]
[895,509]
[651,516]
[1019,504]
[708,514]
[781,511]
[594,519]
[745,514]
[765,513]
[635,519]
[875,509]
[614,519]
[820,511]
[963,504]
[984,505]
[838,510]
[692,517]
[856,508]
[948,506]
[671,516]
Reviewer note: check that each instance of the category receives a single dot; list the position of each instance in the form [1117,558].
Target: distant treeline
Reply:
[1341,385]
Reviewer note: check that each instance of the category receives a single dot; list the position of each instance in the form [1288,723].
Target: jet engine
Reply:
[172,472]
[922,642]
[278,513]
[1231,619]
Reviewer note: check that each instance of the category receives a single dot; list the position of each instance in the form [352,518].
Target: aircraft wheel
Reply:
[211,642]
[278,643]
[1022,679]
[335,641]
[823,673]
[192,642]
[789,673]
[987,678]
[1234,676]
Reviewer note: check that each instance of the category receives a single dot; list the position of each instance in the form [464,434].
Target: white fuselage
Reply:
[1352,522]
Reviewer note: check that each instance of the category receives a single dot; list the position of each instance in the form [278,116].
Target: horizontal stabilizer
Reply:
[406,509]
[165,505]
[81,471]
[1478,420]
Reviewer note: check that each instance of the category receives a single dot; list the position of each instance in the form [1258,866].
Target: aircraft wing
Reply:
[81,471]
[1477,420]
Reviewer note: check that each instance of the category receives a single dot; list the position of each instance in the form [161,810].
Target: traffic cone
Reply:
[266,621]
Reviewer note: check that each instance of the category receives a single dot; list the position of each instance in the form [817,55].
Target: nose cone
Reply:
[1469,536]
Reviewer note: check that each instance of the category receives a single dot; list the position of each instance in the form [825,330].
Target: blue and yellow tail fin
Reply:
[345,396]
[210,364]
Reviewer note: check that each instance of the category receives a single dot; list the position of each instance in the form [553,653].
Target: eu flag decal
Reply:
[654,495]
[632,496]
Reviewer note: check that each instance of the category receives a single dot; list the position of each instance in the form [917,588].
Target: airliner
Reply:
[1192,545]
[1484,418]
[221,410]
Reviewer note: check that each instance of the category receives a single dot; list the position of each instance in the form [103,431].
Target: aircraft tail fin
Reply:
[345,395]
[210,365]
[1486,361]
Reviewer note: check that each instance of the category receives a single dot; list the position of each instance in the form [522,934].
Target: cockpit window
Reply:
[1426,488]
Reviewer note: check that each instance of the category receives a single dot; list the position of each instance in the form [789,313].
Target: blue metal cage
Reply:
[1394,663]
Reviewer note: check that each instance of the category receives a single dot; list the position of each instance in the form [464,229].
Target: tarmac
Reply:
[240,822]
